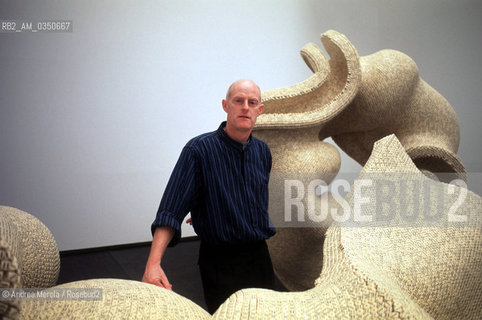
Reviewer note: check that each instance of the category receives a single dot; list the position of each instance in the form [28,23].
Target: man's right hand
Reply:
[155,275]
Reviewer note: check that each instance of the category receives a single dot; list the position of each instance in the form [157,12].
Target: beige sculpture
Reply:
[290,126]
[360,100]
[391,272]
[35,248]
[356,101]
[392,98]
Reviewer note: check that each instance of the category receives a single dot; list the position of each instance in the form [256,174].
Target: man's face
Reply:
[243,106]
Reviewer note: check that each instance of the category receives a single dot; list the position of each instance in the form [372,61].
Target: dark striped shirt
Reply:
[225,187]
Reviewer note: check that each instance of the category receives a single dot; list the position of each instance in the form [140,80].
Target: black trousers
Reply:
[228,268]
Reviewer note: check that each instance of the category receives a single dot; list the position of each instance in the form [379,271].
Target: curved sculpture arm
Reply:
[321,97]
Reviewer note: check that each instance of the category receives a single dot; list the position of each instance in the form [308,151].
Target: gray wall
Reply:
[93,121]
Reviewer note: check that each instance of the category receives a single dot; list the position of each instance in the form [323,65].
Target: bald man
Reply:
[221,177]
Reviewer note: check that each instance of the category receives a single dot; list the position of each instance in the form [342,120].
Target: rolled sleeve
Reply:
[179,196]
[167,219]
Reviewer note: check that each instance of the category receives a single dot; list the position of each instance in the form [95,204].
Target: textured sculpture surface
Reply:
[356,101]
[121,299]
[392,98]
[392,272]
[34,246]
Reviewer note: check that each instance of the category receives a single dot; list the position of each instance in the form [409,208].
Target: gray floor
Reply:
[179,263]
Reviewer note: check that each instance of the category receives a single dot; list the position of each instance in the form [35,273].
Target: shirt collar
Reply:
[224,136]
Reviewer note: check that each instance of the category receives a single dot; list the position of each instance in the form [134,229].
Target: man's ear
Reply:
[260,109]
[225,107]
